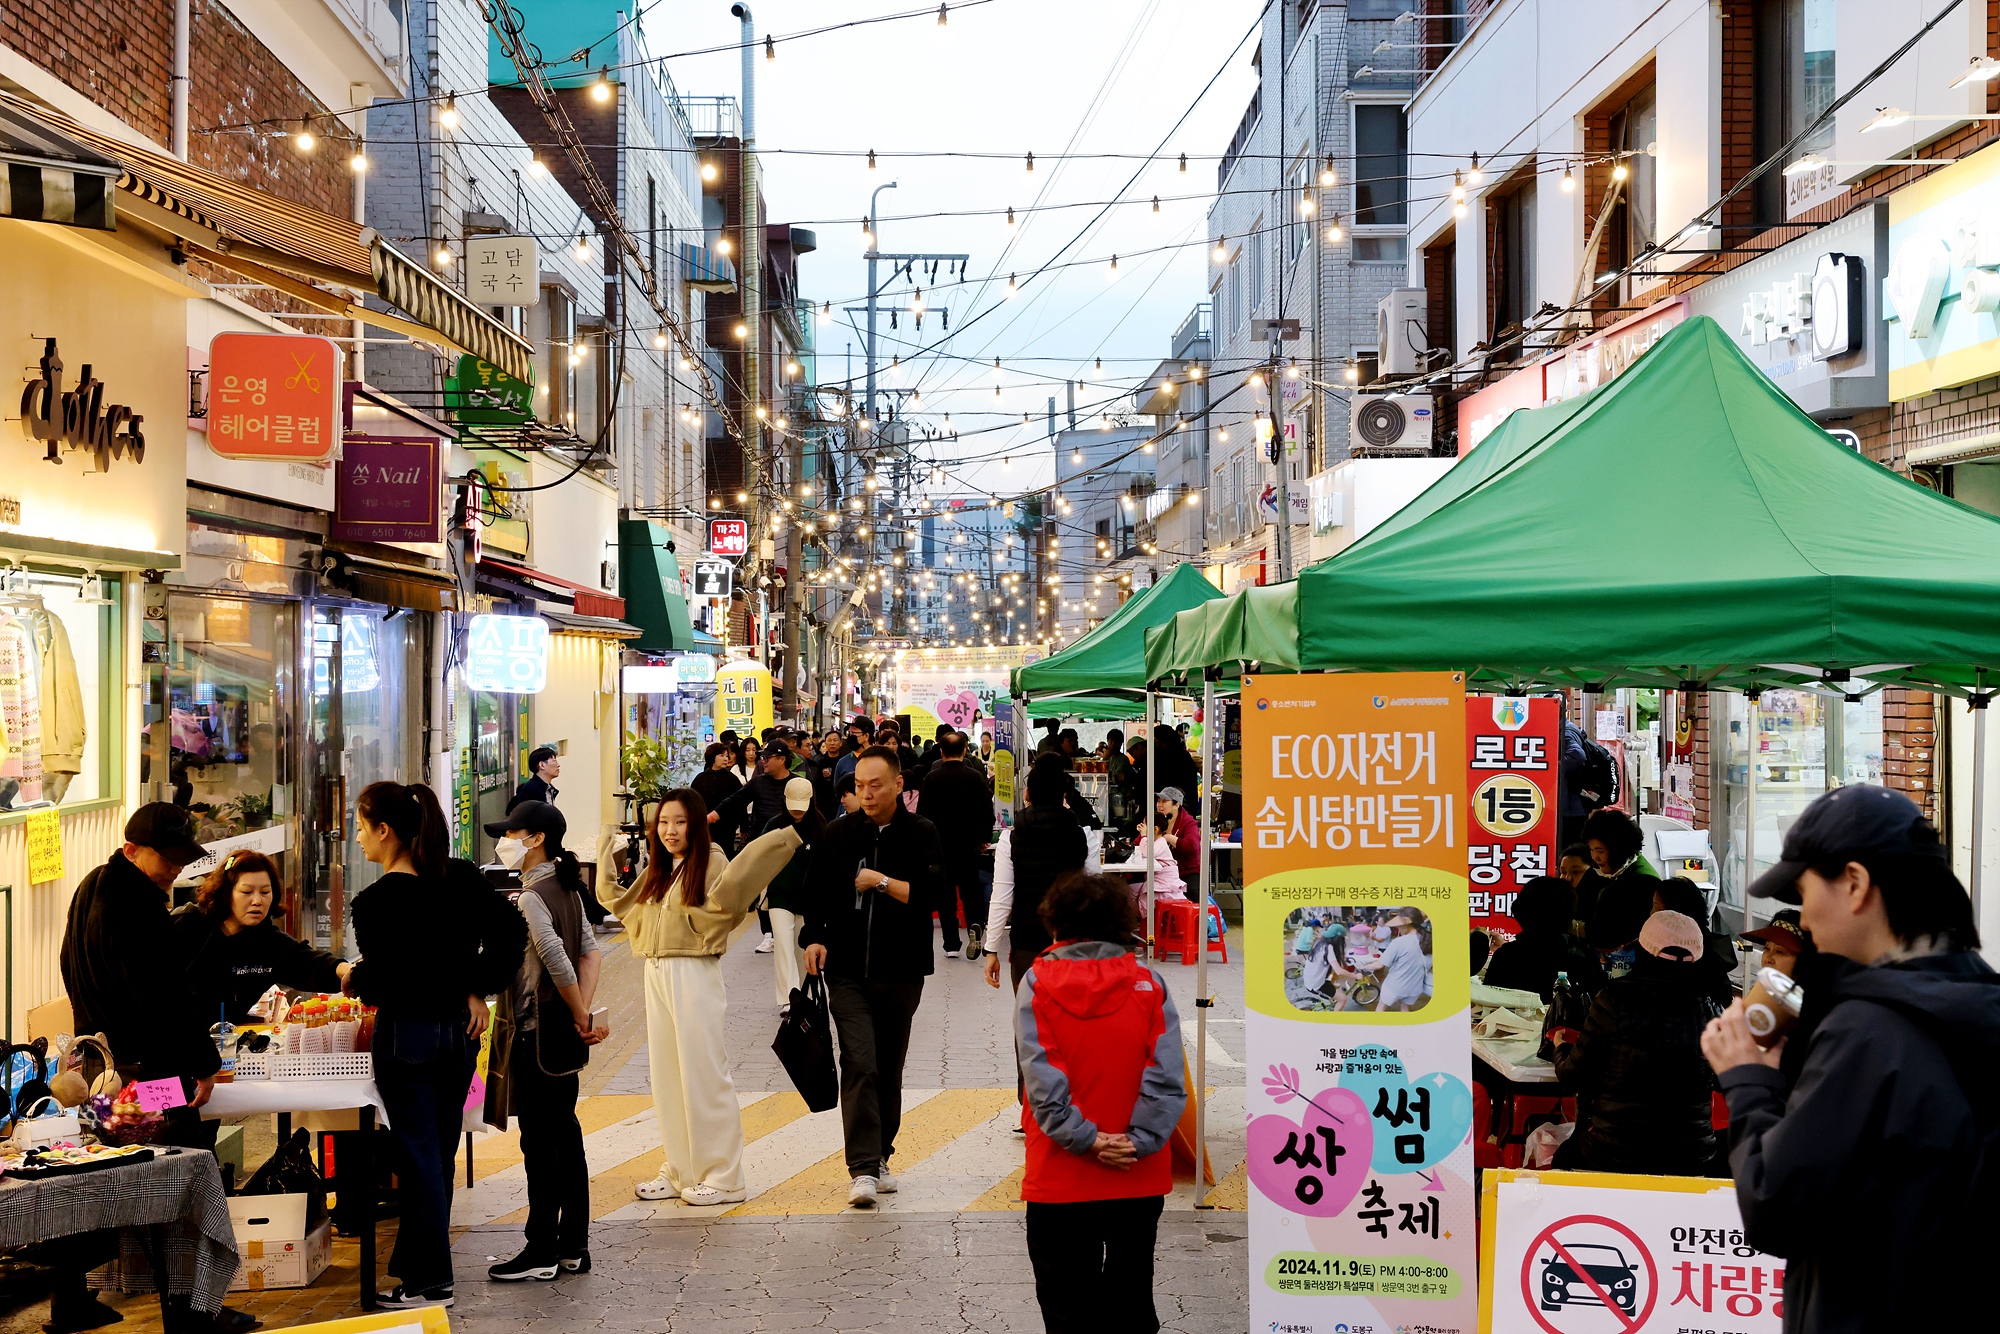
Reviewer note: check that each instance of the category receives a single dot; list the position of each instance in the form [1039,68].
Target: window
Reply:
[1381,165]
[1255,244]
[1510,273]
[1381,250]
[1634,217]
[653,226]
[1297,225]
[1236,290]
[1794,86]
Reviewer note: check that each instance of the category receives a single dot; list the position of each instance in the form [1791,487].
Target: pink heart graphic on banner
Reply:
[958,710]
[1315,1165]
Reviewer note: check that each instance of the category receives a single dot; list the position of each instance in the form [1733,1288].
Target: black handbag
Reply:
[804,1046]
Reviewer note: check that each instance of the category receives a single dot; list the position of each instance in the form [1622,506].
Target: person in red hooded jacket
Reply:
[1100,1052]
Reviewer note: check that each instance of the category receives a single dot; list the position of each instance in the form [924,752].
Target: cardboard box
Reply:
[267,1218]
[229,1149]
[282,1264]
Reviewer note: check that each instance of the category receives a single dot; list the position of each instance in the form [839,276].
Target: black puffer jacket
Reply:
[1866,1174]
[1046,842]
[1639,1062]
[869,935]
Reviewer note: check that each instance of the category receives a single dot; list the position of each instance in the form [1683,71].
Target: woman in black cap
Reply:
[554,1030]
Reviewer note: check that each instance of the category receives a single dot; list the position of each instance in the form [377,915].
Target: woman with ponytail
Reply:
[436,940]
[679,916]
[553,1031]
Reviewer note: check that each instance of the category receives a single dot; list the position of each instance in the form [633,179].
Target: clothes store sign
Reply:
[79,418]
[388,490]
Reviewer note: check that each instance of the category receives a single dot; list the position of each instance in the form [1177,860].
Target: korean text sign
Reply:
[503,271]
[728,537]
[1668,1253]
[388,491]
[274,396]
[1512,744]
[1360,1102]
[742,698]
[507,654]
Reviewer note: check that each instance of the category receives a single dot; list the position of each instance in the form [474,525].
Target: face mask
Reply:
[511,852]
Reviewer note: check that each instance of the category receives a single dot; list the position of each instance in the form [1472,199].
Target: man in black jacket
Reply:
[957,801]
[758,801]
[874,883]
[123,977]
[544,766]
[1869,1164]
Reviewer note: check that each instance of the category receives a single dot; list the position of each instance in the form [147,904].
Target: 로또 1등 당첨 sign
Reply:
[1511,745]
[274,396]
[1358,996]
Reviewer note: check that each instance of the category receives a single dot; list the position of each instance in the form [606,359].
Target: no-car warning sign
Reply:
[1589,1275]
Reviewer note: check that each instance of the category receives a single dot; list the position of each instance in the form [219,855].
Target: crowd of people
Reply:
[846,845]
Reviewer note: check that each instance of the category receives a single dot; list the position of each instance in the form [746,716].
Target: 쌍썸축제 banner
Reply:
[1358,994]
[1511,747]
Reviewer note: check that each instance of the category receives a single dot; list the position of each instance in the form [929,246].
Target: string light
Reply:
[770,49]
[1458,187]
[825,315]
[582,246]
[942,11]
[1010,216]
[722,245]
[871,159]
[448,114]
[536,168]
[1619,172]
[1031,162]
[1333,231]
[443,255]
[1326,175]
[359,162]
[1569,180]
[1012,290]
[1184,164]
[659,340]
[1458,209]
[1475,175]
[305,139]
[708,170]
[601,90]
[1112,276]
[868,233]
[1305,205]
[1194,371]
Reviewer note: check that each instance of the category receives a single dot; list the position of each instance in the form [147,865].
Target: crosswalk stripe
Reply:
[500,1150]
[926,1129]
[1003,1195]
[965,1169]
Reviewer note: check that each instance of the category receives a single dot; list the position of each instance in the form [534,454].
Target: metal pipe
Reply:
[1146,819]
[1750,747]
[1207,785]
[751,277]
[183,25]
[1978,702]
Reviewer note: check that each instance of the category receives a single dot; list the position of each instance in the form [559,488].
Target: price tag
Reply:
[157,1095]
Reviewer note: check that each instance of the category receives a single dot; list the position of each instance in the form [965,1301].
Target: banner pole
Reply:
[1199,1091]
[1750,748]
[1147,818]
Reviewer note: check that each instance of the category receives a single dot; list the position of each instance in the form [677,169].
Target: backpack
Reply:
[1597,781]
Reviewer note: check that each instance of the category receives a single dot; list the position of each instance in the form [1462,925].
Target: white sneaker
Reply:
[764,945]
[659,1188]
[885,1184]
[861,1191]
[705,1194]
[954,954]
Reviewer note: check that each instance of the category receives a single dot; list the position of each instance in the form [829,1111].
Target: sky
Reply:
[1007,77]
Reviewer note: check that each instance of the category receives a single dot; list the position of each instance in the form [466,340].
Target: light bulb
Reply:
[686,365]
[1569,180]
[1099,371]
[1326,176]
[443,256]
[601,90]
[826,312]
[1221,254]
[305,138]
[1031,162]
[1474,176]
[1112,275]
[1333,231]
[358,163]
[942,14]
[1619,172]
[871,159]
[742,331]
[1156,203]
[1458,209]
[708,171]
[1076,456]
[659,340]
[1305,206]
[536,168]
[1012,290]
[770,49]
[1194,372]
[1458,187]
[448,115]
[1010,216]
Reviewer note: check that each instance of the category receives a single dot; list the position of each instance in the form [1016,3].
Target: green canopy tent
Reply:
[1113,656]
[1685,526]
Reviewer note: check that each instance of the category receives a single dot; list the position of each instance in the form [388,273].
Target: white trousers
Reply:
[786,954]
[701,1125]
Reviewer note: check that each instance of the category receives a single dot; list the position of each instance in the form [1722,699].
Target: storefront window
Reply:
[57,660]
[1798,731]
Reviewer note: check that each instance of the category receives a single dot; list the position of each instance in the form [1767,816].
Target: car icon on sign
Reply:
[1563,1286]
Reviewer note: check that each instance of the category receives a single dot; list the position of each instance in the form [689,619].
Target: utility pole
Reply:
[750,276]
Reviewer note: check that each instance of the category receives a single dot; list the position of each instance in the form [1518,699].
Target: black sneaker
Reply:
[524,1265]
[400,1298]
[577,1264]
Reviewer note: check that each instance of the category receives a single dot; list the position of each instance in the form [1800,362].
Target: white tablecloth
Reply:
[253,1097]
[1516,1061]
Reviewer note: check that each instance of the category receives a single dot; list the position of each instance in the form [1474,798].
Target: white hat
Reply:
[798,795]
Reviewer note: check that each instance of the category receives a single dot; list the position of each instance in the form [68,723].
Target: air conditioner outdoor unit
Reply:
[1391,424]
[1399,332]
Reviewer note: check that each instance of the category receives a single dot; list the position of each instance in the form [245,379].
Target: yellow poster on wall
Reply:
[45,850]
[742,698]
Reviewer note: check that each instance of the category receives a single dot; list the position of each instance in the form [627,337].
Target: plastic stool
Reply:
[1179,925]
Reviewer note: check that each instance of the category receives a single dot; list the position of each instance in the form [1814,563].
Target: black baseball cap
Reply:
[167,829]
[531,817]
[1846,825]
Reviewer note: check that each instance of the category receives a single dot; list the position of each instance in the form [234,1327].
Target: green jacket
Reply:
[787,889]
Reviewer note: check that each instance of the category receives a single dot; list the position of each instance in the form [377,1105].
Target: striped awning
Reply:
[702,268]
[46,176]
[233,225]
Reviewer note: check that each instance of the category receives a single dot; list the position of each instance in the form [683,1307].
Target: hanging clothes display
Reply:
[20,705]
[65,727]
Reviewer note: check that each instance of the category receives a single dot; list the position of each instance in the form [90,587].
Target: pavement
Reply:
[946,1253]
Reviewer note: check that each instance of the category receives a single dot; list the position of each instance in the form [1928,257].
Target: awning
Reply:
[650,578]
[50,177]
[704,269]
[601,627]
[266,238]
[393,585]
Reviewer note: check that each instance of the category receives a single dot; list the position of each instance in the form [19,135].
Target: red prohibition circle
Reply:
[1533,1300]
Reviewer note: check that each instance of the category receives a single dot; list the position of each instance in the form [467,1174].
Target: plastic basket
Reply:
[324,1065]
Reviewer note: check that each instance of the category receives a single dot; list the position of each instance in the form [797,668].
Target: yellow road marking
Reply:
[1233,1191]
[1003,1195]
[497,1153]
[929,1127]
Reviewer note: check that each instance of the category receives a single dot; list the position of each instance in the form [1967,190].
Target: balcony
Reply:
[332,45]
[712,117]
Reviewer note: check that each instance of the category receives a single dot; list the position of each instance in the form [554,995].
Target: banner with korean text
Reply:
[1357,992]
[1511,750]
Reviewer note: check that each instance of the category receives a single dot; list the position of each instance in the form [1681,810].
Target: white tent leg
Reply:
[1146,819]
[1750,749]
[1199,1091]
[1978,703]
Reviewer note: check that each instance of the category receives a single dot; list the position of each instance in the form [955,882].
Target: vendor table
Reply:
[172,1216]
[284,1096]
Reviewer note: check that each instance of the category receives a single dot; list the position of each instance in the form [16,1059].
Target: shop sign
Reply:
[270,840]
[743,698]
[1481,413]
[507,654]
[1591,362]
[713,578]
[503,271]
[1003,751]
[274,396]
[1941,294]
[1361,1205]
[728,537]
[1602,1252]
[79,418]
[388,490]
[1512,744]
[1807,313]
[481,393]
[694,669]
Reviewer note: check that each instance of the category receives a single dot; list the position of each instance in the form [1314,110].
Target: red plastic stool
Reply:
[1179,925]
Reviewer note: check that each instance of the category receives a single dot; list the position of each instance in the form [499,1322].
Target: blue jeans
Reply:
[423,1068]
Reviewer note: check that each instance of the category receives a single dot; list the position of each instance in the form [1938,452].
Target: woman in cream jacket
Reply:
[679,916]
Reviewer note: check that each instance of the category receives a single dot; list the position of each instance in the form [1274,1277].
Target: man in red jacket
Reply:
[1100,1049]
